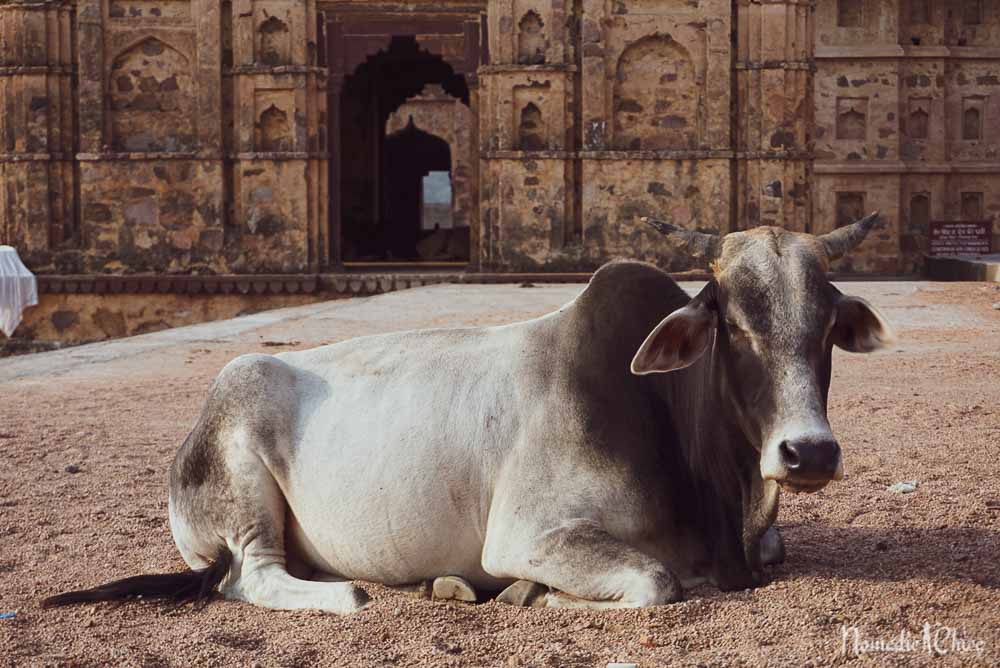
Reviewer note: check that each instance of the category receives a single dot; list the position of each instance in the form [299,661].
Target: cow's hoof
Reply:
[454,588]
[772,548]
[524,593]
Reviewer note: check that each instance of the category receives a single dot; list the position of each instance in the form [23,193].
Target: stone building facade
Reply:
[289,137]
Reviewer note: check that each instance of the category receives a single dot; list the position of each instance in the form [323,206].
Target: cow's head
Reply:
[774,319]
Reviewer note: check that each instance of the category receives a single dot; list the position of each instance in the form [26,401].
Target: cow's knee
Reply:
[649,589]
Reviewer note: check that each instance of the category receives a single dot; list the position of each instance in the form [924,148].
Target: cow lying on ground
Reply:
[555,454]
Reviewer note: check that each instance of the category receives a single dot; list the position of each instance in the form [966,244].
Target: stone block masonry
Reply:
[208,138]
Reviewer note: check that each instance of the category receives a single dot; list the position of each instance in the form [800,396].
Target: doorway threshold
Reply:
[368,267]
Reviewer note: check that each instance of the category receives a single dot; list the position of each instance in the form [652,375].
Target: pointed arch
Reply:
[274,42]
[151,98]
[656,96]
[531,129]
[531,42]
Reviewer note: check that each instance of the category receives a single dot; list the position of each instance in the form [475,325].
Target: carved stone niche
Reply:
[920,213]
[151,98]
[972,12]
[850,207]
[273,132]
[274,42]
[531,40]
[852,118]
[531,130]
[972,206]
[918,118]
[972,118]
[920,12]
[656,96]
[850,13]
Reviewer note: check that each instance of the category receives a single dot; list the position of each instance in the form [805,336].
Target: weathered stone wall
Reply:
[617,192]
[905,92]
[74,318]
[151,216]
[196,135]
[197,146]
[37,142]
[631,119]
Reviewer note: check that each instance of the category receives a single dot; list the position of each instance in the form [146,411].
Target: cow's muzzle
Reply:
[808,465]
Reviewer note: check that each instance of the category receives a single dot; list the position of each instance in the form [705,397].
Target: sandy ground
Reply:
[858,555]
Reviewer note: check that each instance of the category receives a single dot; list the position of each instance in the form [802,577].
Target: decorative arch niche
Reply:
[531,129]
[920,213]
[971,123]
[273,130]
[531,42]
[274,42]
[656,96]
[151,98]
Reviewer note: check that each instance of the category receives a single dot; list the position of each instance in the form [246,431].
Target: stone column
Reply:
[526,140]
[475,229]
[37,197]
[279,168]
[773,114]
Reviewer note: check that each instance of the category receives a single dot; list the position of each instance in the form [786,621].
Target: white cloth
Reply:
[18,289]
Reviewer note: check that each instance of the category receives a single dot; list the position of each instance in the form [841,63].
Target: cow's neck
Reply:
[723,463]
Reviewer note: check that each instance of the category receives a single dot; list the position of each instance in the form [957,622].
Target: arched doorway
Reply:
[383,177]
[410,156]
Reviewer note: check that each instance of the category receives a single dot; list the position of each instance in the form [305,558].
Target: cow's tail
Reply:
[185,587]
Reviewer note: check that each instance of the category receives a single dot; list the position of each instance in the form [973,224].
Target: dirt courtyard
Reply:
[87,436]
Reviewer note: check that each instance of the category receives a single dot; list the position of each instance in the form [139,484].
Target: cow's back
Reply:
[403,438]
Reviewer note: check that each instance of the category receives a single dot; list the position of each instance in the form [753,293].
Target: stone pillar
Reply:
[37,197]
[526,139]
[280,165]
[475,228]
[773,114]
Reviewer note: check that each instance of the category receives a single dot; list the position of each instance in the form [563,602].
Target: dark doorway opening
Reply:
[410,155]
[385,180]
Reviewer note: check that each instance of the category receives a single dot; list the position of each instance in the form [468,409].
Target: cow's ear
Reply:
[859,327]
[680,338]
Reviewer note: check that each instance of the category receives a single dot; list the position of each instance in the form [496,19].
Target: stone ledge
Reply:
[236,70]
[905,167]
[527,155]
[281,155]
[985,268]
[775,65]
[16,70]
[898,51]
[676,154]
[365,283]
[36,157]
[164,284]
[35,4]
[148,155]
[775,155]
[527,69]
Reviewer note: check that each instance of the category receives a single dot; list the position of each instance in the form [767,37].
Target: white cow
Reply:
[554,453]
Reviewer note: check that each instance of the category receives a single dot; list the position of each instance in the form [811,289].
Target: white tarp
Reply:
[18,289]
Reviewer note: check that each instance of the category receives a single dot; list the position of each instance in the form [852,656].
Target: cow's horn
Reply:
[842,241]
[697,243]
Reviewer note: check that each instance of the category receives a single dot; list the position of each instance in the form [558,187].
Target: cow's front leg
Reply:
[582,560]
